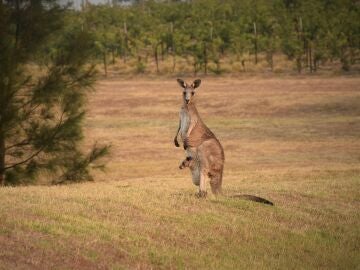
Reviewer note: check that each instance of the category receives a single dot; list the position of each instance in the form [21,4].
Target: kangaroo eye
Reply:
[184,93]
[192,93]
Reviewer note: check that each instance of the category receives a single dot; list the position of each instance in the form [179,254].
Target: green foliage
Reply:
[44,80]
[308,32]
[78,165]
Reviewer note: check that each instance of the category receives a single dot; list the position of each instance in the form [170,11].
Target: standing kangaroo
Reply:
[201,145]
[204,153]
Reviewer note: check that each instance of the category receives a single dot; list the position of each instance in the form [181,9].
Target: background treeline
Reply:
[214,36]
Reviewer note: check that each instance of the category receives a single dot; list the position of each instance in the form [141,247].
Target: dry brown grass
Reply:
[294,141]
[264,124]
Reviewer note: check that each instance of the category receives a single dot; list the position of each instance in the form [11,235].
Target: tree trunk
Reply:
[344,58]
[2,159]
[256,54]
[306,48]
[298,64]
[113,56]
[156,58]
[125,42]
[271,60]
[243,65]
[162,51]
[315,59]
[2,134]
[310,58]
[255,44]
[205,58]
[105,64]
[174,62]
[218,67]
[124,52]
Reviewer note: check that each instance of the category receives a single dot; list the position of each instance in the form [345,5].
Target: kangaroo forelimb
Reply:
[177,133]
[176,142]
[186,144]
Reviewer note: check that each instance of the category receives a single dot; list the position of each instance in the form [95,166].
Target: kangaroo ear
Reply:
[181,83]
[196,83]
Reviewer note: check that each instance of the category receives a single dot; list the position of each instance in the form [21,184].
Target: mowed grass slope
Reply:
[295,141]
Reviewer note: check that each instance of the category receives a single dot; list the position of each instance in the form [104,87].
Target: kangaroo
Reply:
[200,143]
[188,162]
[204,153]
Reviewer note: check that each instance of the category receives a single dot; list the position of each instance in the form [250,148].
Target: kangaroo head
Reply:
[188,90]
[188,162]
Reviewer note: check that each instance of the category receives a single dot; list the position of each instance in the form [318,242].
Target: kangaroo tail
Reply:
[252,198]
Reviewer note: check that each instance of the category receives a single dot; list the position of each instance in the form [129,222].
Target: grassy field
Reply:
[294,141]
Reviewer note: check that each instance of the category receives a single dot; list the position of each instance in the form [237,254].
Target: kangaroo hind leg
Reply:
[202,185]
[216,182]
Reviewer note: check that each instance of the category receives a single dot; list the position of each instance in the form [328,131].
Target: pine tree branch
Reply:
[40,150]
[26,117]
[23,143]
[28,113]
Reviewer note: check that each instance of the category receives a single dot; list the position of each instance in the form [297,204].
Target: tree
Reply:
[205,32]
[44,80]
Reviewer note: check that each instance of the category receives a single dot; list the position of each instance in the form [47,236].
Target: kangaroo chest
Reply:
[192,128]
[185,121]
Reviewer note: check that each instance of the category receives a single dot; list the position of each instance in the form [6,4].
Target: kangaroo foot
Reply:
[201,194]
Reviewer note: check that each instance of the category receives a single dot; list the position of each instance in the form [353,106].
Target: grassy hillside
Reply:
[294,141]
